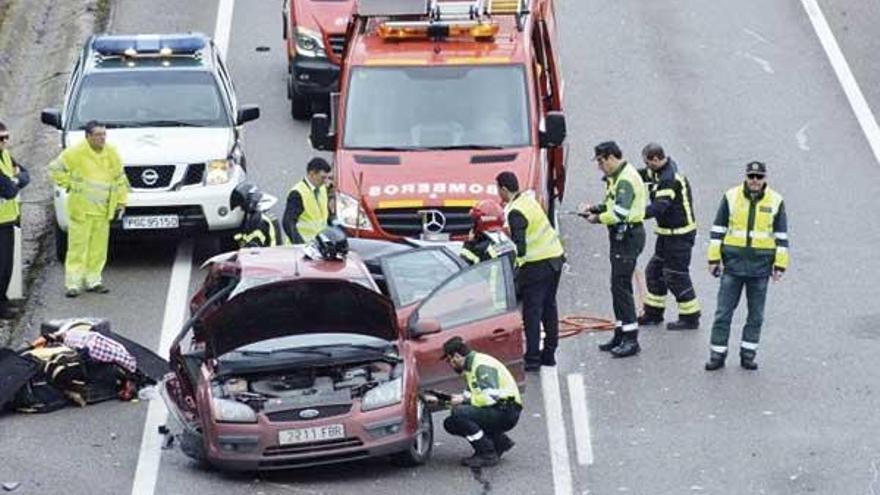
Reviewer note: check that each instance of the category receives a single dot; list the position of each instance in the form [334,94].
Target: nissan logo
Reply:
[309,413]
[150,176]
[433,221]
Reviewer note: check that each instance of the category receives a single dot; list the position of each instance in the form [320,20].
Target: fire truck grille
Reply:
[337,43]
[408,222]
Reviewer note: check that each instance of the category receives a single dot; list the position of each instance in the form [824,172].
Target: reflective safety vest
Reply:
[678,218]
[615,213]
[542,241]
[750,224]
[95,181]
[9,208]
[315,213]
[266,235]
[489,381]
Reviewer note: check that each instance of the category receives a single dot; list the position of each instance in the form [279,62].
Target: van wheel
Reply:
[422,445]
[60,243]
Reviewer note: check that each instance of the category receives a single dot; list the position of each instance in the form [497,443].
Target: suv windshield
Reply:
[150,98]
[437,107]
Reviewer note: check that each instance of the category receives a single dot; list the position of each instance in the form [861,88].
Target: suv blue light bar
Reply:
[162,44]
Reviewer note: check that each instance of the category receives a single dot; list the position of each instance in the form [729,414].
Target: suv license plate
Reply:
[151,222]
[307,435]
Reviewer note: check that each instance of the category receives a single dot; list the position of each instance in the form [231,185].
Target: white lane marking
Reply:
[223,28]
[556,435]
[580,418]
[175,309]
[845,76]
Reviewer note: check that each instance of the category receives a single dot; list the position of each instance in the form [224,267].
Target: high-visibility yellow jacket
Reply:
[625,197]
[95,181]
[489,381]
[315,213]
[542,241]
[10,208]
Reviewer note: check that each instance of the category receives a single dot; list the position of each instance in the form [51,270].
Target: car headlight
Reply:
[309,43]
[350,214]
[387,394]
[218,172]
[230,411]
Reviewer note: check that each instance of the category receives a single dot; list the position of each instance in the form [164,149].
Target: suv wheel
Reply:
[422,445]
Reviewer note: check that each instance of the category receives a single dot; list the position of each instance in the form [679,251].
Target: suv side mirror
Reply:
[424,327]
[320,135]
[553,134]
[247,113]
[52,117]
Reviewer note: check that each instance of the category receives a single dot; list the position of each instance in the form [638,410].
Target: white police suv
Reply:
[169,105]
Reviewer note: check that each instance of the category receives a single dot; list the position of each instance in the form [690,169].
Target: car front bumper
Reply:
[313,76]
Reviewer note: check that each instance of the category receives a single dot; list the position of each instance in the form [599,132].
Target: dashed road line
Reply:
[580,418]
[556,434]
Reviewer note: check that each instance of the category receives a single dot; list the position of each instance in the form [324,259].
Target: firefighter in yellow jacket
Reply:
[91,172]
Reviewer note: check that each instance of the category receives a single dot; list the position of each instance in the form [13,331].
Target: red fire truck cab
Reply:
[436,98]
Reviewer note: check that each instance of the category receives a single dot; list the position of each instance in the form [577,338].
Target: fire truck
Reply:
[436,98]
[315,34]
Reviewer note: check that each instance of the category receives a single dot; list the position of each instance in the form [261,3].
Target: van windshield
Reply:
[158,98]
[437,108]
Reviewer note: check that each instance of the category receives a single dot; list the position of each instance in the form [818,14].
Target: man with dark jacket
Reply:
[307,212]
[671,205]
[13,178]
[748,246]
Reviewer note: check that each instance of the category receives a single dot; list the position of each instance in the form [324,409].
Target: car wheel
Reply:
[60,243]
[420,450]
[300,104]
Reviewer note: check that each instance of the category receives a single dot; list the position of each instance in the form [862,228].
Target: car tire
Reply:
[300,104]
[422,446]
[60,243]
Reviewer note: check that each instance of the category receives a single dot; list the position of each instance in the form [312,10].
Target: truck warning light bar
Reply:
[438,19]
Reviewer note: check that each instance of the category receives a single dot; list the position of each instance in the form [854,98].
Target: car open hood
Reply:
[429,178]
[166,145]
[296,307]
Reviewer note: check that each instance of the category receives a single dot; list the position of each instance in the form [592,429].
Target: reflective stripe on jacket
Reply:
[95,181]
[542,241]
[617,208]
[10,208]
[315,211]
[752,225]
[489,381]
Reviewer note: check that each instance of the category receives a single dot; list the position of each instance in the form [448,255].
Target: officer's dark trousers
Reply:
[479,423]
[7,245]
[625,251]
[729,293]
[539,306]
[669,271]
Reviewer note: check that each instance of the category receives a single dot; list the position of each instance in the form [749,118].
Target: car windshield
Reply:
[437,108]
[150,98]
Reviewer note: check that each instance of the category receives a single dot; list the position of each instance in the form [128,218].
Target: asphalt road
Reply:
[718,83]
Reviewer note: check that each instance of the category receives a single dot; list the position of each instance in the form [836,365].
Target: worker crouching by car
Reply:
[489,407]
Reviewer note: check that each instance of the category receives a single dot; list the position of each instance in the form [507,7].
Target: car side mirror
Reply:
[247,113]
[320,135]
[425,327]
[52,117]
[553,134]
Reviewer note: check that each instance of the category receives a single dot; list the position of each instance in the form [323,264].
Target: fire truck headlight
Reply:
[309,43]
[350,214]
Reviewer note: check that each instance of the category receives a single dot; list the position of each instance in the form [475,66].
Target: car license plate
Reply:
[151,222]
[307,435]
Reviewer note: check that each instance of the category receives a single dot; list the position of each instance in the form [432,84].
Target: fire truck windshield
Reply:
[445,107]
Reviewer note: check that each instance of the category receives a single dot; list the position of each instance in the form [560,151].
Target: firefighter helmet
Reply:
[488,216]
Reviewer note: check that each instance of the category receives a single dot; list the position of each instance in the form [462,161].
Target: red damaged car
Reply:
[293,362]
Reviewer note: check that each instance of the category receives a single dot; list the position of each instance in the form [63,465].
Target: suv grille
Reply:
[195,172]
[337,43]
[407,222]
[149,176]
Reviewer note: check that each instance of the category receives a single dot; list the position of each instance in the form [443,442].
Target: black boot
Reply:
[614,342]
[747,360]
[651,316]
[716,361]
[484,454]
[502,443]
[685,322]
[629,346]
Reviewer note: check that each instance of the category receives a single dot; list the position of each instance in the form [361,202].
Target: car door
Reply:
[410,276]
[477,304]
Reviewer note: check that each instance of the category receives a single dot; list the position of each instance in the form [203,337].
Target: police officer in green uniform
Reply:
[487,410]
[671,205]
[307,212]
[539,261]
[622,212]
[748,246]
[259,228]
[13,178]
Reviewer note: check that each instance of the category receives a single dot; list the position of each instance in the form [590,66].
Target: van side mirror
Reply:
[320,135]
[247,113]
[553,134]
[426,326]
[52,117]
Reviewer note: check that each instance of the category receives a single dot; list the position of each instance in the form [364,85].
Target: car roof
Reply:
[189,59]
[290,262]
